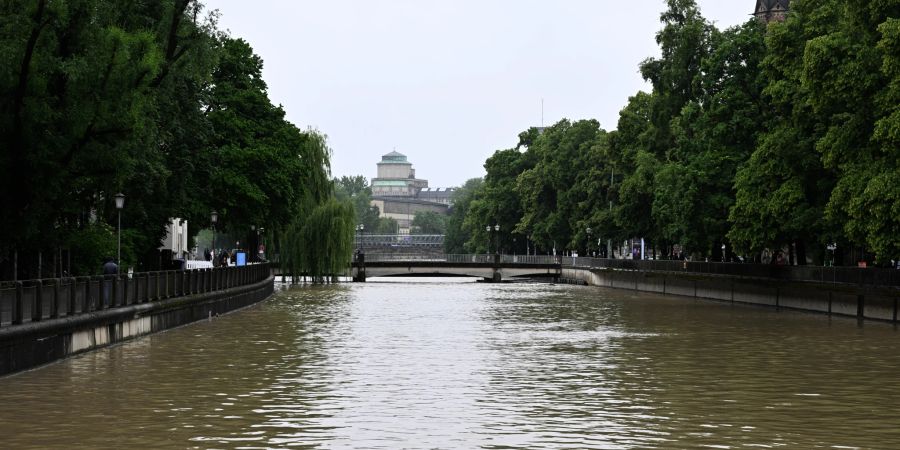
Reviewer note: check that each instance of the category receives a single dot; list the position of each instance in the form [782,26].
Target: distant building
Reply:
[399,195]
[175,244]
[437,195]
[396,177]
[771,10]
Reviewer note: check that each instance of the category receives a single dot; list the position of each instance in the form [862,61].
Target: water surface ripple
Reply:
[447,364]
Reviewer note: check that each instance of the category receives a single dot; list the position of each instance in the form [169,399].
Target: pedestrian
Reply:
[109,268]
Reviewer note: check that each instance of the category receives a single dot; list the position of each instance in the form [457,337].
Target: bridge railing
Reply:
[417,257]
[844,275]
[28,301]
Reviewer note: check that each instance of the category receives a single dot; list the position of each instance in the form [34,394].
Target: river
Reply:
[442,363]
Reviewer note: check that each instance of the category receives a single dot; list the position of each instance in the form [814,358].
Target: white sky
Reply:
[449,82]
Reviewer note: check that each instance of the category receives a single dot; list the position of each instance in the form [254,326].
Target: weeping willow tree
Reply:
[320,244]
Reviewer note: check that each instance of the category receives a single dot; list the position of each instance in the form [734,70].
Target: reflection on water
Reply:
[447,364]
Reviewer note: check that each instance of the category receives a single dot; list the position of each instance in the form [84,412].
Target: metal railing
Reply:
[457,258]
[837,275]
[841,275]
[400,240]
[37,300]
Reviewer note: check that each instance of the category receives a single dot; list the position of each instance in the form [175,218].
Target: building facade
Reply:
[399,195]
[396,177]
[771,10]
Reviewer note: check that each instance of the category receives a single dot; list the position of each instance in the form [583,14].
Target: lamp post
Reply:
[588,230]
[260,245]
[359,230]
[213,218]
[832,248]
[120,203]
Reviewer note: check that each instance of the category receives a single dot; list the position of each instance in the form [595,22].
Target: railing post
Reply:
[17,310]
[137,288]
[73,288]
[101,304]
[114,300]
[86,301]
[125,290]
[54,307]
[37,306]
[147,287]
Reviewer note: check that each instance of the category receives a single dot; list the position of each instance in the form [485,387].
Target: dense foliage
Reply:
[321,245]
[429,222]
[145,98]
[756,138]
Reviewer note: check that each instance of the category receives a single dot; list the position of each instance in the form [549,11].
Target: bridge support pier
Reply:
[498,275]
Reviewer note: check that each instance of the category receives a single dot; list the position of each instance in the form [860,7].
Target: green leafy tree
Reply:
[356,189]
[498,203]
[458,233]
[320,245]
[545,190]
[714,135]
[429,222]
[783,188]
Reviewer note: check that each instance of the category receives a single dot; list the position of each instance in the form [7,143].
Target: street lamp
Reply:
[213,218]
[120,203]
[589,230]
[359,230]
[497,238]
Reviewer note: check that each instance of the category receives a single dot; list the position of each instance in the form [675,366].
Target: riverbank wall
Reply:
[840,299]
[36,343]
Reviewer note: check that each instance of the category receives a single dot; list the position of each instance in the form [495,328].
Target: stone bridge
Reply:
[489,267]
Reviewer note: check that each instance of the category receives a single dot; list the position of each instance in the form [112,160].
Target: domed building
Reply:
[399,195]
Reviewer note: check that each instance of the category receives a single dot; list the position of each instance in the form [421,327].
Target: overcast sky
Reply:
[448,82]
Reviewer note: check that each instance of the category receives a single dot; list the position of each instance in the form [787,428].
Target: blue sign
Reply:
[241,259]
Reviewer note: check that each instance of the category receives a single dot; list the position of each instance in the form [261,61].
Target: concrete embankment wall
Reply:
[30,345]
[829,298]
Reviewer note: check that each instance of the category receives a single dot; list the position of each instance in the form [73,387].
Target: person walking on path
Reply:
[109,268]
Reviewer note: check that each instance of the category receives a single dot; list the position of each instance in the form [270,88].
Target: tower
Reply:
[768,11]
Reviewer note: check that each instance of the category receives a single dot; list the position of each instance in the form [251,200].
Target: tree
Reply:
[429,222]
[320,244]
[356,190]
[458,233]
[497,202]
[545,190]
[782,190]
[714,134]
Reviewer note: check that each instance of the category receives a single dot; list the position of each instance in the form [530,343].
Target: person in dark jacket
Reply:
[109,268]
